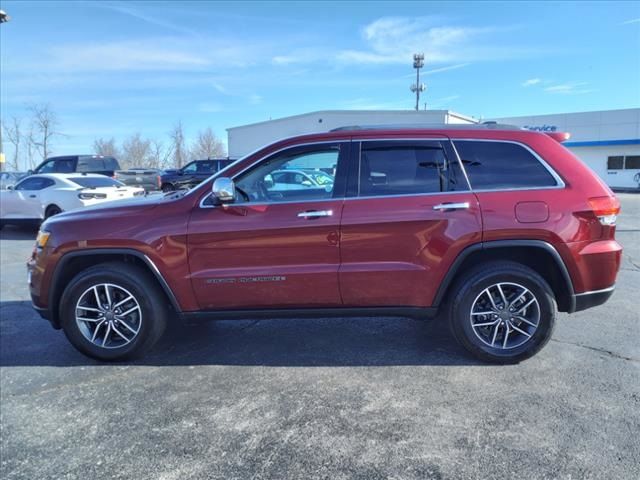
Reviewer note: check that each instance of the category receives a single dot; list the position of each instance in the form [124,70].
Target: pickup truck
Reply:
[148,178]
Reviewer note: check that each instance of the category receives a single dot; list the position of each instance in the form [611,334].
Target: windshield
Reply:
[95,182]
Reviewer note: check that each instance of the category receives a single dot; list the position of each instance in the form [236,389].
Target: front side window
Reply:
[47,167]
[189,168]
[403,169]
[34,183]
[291,176]
[502,165]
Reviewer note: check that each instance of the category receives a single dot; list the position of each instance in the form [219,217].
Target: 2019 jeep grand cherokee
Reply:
[497,227]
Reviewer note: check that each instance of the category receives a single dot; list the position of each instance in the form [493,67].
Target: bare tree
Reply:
[44,124]
[178,147]
[13,135]
[207,145]
[159,154]
[135,151]
[30,142]
[105,147]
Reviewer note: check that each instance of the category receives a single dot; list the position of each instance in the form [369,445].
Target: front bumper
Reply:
[592,299]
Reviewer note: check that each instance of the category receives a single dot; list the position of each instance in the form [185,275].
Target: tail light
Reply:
[606,209]
[91,196]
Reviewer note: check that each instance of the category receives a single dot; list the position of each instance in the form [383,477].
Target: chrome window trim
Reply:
[559,181]
[560,184]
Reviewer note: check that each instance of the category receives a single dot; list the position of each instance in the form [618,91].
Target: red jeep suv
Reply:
[494,226]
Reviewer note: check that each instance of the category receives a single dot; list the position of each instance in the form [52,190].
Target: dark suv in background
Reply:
[192,173]
[100,164]
[496,227]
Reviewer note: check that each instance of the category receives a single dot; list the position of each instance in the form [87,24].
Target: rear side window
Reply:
[35,183]
[496,165]
[402,169]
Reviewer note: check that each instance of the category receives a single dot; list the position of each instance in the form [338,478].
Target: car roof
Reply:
[65,176]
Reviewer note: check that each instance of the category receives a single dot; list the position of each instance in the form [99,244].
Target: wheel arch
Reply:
[548,263]
[73,263]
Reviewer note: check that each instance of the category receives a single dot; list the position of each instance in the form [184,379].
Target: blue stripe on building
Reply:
[603,143]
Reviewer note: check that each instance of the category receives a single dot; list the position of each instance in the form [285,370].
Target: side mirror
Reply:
[224,190]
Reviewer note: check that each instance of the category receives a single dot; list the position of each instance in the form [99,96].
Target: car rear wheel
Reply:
[113,312]
[502,312]
[52,210]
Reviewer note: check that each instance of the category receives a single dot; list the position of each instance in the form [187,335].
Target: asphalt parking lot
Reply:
[355,398]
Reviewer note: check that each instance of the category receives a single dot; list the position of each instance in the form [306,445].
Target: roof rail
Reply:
[430,126]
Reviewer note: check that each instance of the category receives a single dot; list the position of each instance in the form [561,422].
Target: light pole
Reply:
[418,63]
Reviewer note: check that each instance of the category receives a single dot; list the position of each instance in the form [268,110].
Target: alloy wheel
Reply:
[108,315]
[505,315]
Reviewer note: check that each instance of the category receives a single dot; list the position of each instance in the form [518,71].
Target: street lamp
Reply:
[418,63]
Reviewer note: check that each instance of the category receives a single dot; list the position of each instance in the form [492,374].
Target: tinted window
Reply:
[97,164]
[402,170]
[224,163]
[615,163]
[632,162]
[34,183]
[206,167]
[492,165]
[95,182]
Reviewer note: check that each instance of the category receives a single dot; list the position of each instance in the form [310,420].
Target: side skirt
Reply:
[411,312]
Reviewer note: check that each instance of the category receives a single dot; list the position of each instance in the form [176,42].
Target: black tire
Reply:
[167,187]
[146,292]
[51,211]
[470,287]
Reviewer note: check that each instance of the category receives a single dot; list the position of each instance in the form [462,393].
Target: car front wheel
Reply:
[502,312]
[113,312]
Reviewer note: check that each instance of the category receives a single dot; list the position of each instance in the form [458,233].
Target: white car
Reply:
[38,197]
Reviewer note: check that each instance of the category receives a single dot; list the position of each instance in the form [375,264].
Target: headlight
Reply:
[42,239]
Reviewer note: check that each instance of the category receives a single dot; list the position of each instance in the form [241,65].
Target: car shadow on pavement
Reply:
[11,232]
[27,340]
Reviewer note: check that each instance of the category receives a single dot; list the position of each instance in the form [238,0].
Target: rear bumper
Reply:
[585,300]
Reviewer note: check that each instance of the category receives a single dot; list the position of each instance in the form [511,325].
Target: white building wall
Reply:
[594,137]
[248,138]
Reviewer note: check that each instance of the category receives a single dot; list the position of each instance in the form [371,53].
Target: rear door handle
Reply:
[315,214]
[452,206]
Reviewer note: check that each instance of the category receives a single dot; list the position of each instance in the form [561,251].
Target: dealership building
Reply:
[608,141]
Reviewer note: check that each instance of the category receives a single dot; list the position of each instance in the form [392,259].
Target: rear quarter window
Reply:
[499,165]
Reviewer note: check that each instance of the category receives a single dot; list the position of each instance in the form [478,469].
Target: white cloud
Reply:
[255,99]
[531,81]
[393,40]
[633,20]
[575,88]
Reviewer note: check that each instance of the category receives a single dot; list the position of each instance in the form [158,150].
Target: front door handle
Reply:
[452,206]
[315,214]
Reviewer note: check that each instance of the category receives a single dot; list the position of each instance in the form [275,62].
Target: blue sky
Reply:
[115,68]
